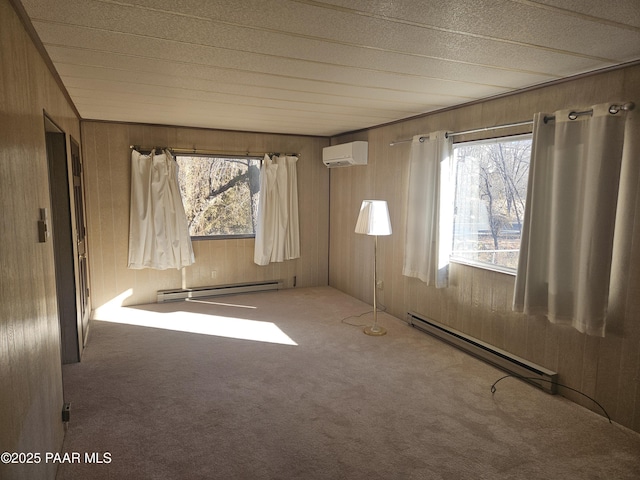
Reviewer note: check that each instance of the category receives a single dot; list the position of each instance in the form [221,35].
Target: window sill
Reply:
[484,266]
[223,237]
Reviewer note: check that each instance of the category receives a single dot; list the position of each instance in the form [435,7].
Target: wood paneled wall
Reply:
[30,363]
[107,175]
[478,302]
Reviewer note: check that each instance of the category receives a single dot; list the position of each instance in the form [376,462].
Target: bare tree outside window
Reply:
[220,194]
[491,189]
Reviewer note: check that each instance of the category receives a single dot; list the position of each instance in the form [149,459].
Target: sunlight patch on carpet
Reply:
[204,324]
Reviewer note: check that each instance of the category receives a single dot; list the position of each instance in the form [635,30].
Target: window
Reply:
[220,195]
[490,191]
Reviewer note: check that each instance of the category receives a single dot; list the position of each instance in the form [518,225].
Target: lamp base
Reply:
[375,330]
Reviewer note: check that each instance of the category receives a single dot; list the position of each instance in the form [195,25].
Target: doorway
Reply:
[70,254]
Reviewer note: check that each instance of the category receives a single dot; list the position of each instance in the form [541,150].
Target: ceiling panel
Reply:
[341,56]
[318,67]
[503,20]
[129,69]
[625,12]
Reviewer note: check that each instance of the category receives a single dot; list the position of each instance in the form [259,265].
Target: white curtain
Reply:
[429,227]
[278,227]
[158,231]
[564,268]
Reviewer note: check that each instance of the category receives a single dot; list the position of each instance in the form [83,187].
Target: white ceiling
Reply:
[318,67]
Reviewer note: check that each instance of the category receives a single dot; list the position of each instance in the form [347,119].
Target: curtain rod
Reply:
[194,151]
[475,130]
[484,129]
[613,109]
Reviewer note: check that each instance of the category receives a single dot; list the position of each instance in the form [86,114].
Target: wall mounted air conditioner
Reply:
[346,154]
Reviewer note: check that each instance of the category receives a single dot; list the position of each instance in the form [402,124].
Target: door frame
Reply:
[81,256]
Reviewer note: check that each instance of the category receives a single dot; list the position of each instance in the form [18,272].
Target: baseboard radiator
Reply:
[217,290]
[512,364]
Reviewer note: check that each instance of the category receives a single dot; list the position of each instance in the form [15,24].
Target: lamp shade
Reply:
[374,218]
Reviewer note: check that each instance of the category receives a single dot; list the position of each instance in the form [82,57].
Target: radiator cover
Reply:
[216,290]
[519,367]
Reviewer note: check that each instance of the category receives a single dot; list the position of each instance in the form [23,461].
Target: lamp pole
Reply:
[375,329]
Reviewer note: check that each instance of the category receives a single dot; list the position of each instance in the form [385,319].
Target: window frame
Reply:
[476,263]
[237,236]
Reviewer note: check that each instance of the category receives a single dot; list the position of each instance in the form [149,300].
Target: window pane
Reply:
[220,195]
[491,189]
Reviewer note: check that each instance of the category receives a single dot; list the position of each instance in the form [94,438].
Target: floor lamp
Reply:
[374,220]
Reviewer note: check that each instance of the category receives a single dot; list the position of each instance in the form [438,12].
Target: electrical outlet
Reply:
[66,412]
[214,274]
[380,284]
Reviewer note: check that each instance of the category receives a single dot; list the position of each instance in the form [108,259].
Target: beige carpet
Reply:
[278,386]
